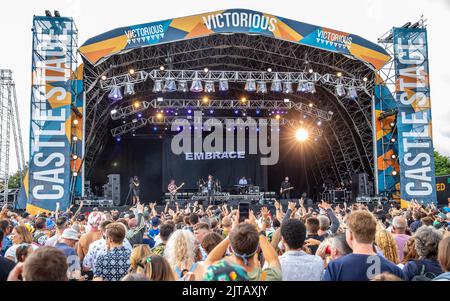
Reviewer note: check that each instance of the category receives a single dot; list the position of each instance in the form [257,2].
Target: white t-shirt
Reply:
[11,252]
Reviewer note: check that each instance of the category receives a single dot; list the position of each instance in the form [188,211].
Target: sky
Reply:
[367,18]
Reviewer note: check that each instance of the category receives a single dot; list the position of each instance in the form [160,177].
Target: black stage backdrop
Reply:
[153,162]
[140,156]
[227,171]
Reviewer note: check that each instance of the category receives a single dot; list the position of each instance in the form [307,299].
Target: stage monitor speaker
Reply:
[112,190]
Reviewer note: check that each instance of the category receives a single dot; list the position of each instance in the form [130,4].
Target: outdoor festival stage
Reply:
[325,95]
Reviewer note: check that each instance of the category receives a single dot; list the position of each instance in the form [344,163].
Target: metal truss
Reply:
[213,121]
[163,103]
[350,138]
[9,122]
[230,76]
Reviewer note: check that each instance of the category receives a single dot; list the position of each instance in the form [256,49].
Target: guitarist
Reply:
[173,189]
[284,193]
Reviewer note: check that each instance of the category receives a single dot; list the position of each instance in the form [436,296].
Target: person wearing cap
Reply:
[440,221]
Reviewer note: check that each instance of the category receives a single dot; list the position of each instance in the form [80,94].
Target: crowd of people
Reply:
[322,242]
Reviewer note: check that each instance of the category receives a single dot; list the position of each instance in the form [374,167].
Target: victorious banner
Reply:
[417,172]
[53,86]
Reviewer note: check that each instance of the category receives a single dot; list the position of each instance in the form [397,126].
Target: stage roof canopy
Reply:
[231,21]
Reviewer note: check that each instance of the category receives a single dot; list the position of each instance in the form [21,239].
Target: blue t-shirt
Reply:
[6,243]
[429,266]
[359,267]
[68,251]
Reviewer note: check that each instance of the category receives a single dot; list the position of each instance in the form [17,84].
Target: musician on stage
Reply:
[210,185]
[135,188]
[243,181]
[172,188]
[285,194]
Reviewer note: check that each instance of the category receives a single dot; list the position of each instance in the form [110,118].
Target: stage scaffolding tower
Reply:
[9,124]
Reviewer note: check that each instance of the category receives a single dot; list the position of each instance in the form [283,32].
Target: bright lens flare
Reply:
[301,135]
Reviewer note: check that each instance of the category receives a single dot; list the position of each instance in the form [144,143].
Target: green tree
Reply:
[442,164]
[14,181]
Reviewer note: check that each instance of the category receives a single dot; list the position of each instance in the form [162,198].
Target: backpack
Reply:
[428,276]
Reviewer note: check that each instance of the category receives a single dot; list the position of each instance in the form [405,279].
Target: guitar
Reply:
[173,192]
[286,189]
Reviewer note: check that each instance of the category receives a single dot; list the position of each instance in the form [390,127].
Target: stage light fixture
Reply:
[129,89]
[301,87]
[189,111]
[277,116]
[139,115]
[261,87]
[205,100]
[392,124]
[57,14]
[236,112]
[115,94]
[160,99]
[288,87]
[75,174]
[74,157]
[339,74]
[319,123]
[75,121]
[310,70]
[243,100]
[205,70]
[394,173]
[104,77]
[136,104]
[170,85]
[209,87]
[211,111]
[393,156]
[258,112]
[393,140]
[196,86]
[276,84]
[162,68]
[223,85]
[182,86]
[118,139]
[340,90]
[365,79]
[250,85]
[115,164]
[301,135]
[159,115]
[269,70]
[352,93]
[311,87]
[134,120]
[131,71]
[157,86]
[311,105]
[75,138]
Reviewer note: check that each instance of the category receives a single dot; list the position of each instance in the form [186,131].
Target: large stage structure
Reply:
[222,64]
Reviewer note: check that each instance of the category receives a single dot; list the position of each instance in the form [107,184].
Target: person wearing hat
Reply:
[67,242]
[440,221]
